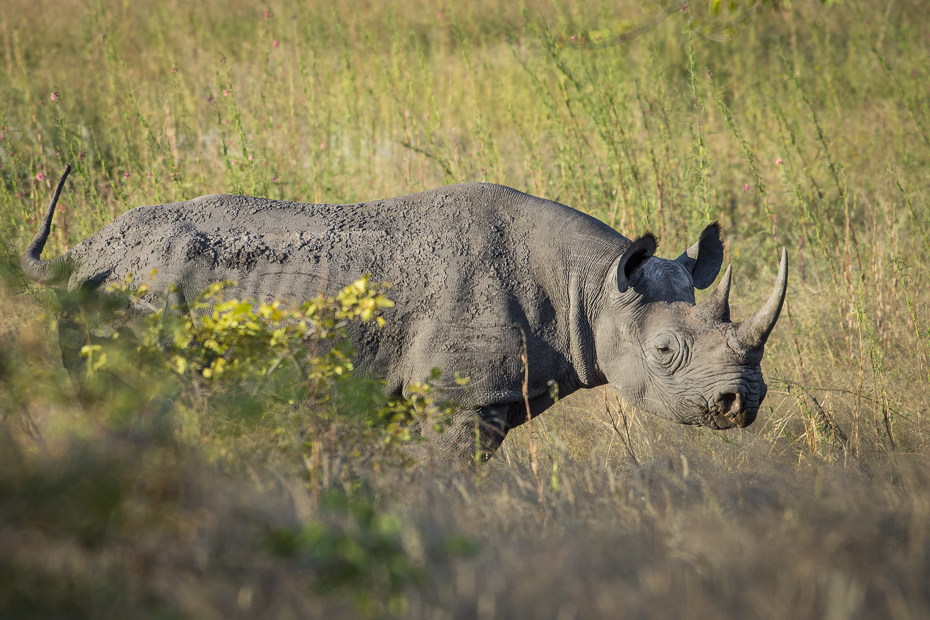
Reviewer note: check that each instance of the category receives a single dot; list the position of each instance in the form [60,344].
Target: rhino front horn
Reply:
[754,331]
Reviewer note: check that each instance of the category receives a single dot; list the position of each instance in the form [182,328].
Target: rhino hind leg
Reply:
[90,389]
[70,339]
[82,322]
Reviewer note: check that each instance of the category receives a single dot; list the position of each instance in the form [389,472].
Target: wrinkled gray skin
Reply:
[473,266]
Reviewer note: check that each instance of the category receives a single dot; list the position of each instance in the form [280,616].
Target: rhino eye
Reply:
[670,352]
[664,347]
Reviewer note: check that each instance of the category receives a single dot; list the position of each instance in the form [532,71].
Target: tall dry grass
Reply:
[807,127]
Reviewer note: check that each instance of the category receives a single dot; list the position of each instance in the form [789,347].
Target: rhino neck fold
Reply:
[581,335]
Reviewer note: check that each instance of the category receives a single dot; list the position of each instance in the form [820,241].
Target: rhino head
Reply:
[683,361]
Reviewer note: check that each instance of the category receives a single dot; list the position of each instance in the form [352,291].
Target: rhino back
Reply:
[470,266]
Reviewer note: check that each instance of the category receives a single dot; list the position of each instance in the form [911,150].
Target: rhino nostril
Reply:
[727,401]
[732,410]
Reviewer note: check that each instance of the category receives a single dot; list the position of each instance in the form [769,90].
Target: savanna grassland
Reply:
[804,125]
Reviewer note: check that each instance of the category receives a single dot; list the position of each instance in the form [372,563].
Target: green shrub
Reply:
[263,389]
[254,380]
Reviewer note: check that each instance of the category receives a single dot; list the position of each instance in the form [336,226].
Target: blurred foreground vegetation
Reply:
[804,124]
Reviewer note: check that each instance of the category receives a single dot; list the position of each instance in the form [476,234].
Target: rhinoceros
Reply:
[482,274]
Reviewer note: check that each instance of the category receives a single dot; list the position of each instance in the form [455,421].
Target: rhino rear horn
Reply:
[754,331]
[704,258]
[633,259]
[716,307]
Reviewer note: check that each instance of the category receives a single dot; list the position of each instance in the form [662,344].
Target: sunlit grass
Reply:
[808,127]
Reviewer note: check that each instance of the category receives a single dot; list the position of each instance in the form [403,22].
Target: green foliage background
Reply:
[802,124]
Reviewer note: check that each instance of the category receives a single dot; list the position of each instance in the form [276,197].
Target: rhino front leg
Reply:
[470,437]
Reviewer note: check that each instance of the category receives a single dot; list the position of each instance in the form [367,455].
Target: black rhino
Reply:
[474,268]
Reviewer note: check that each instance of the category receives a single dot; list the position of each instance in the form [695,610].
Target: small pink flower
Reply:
[174,69]
[126,175]
[81,155]
[223,121]
[266,14]
[250,158]
[251,137]
[2,137]
[574,37]
[274,179]
[746,187]
[225,93]
[40,177]
[440,15]
[55,96]
[778,161]
[322,145]
[275,43]
[150,174]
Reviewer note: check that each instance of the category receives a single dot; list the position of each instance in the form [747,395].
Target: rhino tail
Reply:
[48,272]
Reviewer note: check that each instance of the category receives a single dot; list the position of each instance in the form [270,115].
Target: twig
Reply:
[625,438]
[529,416]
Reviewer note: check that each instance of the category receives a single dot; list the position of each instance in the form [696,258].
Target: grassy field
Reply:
[805,126]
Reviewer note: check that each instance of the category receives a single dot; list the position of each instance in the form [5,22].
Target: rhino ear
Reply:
[704,258]
[633,259]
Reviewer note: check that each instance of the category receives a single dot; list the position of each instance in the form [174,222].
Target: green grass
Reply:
[817,510]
